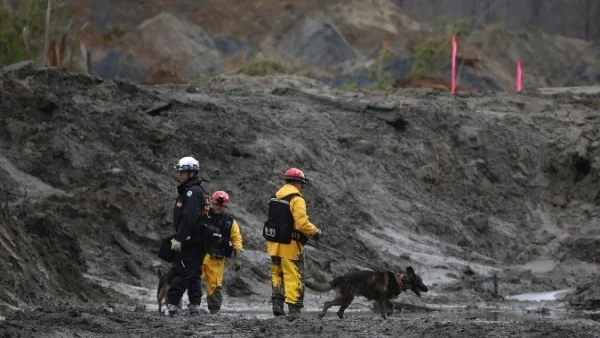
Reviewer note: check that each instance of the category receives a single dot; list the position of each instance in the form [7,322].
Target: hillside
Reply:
[156,41]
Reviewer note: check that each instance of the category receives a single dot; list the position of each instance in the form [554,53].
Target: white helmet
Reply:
[188,163]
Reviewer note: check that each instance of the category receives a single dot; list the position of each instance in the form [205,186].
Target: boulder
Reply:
[314,41]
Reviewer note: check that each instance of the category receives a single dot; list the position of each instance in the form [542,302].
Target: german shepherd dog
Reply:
[380,286]
[164,283]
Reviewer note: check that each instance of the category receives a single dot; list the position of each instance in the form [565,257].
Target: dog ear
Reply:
[410,271]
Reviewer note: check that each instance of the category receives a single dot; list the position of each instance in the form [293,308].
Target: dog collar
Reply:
[400,279]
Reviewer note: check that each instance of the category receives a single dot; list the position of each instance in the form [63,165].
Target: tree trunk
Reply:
[47,35]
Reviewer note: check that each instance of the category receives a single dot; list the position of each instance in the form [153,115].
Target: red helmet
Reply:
[220,198]
[295,174]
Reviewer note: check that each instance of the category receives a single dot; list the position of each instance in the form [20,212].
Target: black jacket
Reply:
[187,212]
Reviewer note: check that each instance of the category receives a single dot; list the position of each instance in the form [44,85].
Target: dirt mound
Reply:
[42,260]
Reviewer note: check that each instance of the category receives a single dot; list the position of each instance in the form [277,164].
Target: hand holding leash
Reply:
[317,237]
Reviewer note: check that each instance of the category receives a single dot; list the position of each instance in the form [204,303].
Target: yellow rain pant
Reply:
[287,279]
[212,272]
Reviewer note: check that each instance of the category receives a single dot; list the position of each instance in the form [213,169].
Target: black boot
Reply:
[278,307]
[294,311]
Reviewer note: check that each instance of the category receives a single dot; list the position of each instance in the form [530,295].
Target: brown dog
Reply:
[164,283]
[374,285]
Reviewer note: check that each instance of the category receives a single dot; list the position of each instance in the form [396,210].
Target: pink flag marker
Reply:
[454,51]
[519,77]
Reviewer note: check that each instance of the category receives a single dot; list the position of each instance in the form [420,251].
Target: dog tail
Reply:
[319,287]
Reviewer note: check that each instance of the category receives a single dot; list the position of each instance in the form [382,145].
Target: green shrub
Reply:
[264,68]
[22,31]
[433,55]
[384,59]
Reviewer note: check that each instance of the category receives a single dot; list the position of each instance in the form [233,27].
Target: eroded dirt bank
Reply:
[459,188]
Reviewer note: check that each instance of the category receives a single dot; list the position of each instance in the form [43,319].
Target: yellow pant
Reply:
[212,272]
[287,278]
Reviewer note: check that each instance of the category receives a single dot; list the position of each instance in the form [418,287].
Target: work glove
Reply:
[237,261]
[175,245]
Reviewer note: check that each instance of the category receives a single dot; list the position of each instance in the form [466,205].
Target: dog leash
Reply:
[318,245]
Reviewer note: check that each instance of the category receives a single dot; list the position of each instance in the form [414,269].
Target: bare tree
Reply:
[47,36]
[86,59]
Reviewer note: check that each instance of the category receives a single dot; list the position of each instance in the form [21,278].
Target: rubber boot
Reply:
[214,301]
[278,307]
[294,311]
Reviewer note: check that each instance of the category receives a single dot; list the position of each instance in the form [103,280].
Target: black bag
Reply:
[279,228]
[165,252]
[220,247]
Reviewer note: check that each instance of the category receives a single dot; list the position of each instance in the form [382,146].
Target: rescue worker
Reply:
[287,231]
[230,245]
[191,206]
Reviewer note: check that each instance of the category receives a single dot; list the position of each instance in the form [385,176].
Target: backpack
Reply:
[279,227]
[223,248]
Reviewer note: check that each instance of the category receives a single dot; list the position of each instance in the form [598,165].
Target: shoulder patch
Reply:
[189,193]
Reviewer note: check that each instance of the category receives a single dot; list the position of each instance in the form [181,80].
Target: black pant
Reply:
[186,275]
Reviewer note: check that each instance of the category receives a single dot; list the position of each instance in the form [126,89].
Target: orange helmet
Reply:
[295,174]
[220,198]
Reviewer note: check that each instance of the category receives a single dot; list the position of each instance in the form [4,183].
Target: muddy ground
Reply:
[89,322]
[461,189]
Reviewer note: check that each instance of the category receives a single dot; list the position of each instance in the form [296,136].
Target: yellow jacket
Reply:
[236,237]
[301,224]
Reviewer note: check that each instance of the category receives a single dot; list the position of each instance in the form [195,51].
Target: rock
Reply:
[315,41]
[174,39]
